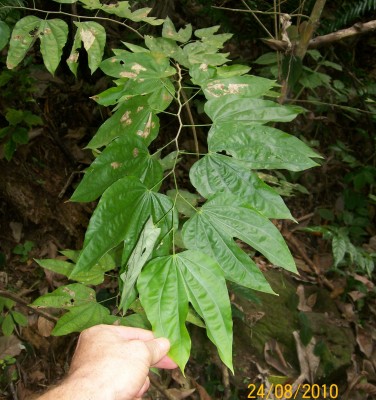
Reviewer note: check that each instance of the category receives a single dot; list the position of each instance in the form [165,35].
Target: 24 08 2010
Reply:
[305,391]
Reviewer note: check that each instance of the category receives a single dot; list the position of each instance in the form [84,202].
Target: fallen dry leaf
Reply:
[204,395]
[274,357]
[45,326]
[364,340]
[10,346]
[308,361]
[366,387]
[179,394]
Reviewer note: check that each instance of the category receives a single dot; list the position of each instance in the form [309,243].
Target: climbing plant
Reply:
[173,249]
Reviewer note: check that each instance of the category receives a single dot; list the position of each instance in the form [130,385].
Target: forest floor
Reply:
[337,310]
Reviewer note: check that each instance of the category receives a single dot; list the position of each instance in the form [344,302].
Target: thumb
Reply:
[158,348]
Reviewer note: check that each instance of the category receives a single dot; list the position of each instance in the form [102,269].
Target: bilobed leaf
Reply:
[169,31]
[216,173]
[199,233]
[23,35]
[4,34]
[120,216]
[93,36]
[241,86]
[125,156]
[133,117]
[233,108]
[67,296]
[53,35]
[166,284]
[164,298]
[262,147]
[137,260]
[81,317]
[229,216]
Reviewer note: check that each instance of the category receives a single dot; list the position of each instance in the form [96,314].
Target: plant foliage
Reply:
[174,250]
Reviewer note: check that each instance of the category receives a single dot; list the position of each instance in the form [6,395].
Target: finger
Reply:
[166,363]
[132,333]
[158,348]
[144,388]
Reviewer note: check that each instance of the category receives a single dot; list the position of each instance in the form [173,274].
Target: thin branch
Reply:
[357,29]
[257,11]
[191,120]
[75,16]
[24,303]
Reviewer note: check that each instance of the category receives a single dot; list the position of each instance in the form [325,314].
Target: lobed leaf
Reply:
[93,36]
[133,117]
[200,234]
[233,108]
[226,215]
[166,284]
[216,173]
[262,147]
[241,86]
[120,215]
[125,156]
[170,32]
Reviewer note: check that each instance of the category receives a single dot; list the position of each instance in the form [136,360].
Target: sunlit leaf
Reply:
[166,284]
[261,146]
[125,156]
[216,173]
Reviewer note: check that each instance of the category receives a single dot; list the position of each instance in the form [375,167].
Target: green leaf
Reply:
[185,202]
[199,233]
[166,284]
[133,117]
[224,217]
[227,71]
[241,86]
[19,318]
[137,260]
[20,135]
[66,297]
[4,34]
[120,215]
[125,156]
[81,317]
[339,247]
[8,325]
[23,36]
[93,36]
[262,147]
[164,298]
[232,108]
[204,54]
[170,32]
[53,35]
[65,1]
[9,149]
[93,277]
[166,47]
[216,173]
[14,117]
[138,66]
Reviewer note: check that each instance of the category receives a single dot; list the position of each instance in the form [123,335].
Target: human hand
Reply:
[112,363]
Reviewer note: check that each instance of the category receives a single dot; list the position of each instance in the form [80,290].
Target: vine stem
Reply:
[75,16]
[11,296]
[191,120]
